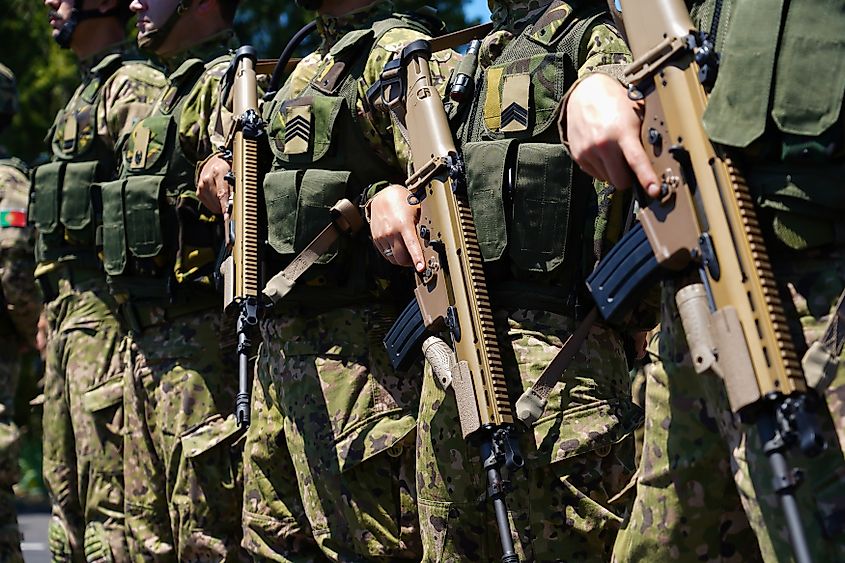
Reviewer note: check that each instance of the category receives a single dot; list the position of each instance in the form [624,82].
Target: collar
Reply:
[332,28]
[210,48]
[88,63]
[515,15]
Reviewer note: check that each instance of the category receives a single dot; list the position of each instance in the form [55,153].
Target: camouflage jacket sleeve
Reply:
[127,97]
[21,298]
[384,136]
[606,52]
[205,121]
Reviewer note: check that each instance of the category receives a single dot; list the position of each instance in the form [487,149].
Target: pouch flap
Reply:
[323,111]
[208,435]
[545,30]
[44,203]
[319,192]
[104,396]
[114,232]
[76,194]
[143,223]
[485,165]
[280,193]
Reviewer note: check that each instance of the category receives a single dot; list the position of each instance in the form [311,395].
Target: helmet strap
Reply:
[65,35]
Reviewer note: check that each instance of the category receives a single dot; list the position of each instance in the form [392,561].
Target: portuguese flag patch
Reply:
[13,218]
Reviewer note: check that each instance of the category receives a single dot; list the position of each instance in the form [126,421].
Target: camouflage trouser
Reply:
[275,525]
[10,537]
[578,457]
[348,425]
[182,470]
[705,488]
[83,421]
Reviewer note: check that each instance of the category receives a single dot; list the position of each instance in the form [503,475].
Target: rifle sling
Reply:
[530,406]
[821,361]
[457,38]
[346,219]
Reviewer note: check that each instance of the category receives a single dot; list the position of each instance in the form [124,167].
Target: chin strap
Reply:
[66,32]
[151,41]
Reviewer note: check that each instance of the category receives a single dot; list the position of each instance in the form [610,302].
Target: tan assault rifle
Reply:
[240,267]
[451,294]
[705,220]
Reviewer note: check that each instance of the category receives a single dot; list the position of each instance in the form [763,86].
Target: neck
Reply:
[342,7]
[188,33]
[91,37]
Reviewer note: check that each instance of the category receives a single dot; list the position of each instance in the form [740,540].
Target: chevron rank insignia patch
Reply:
[515,99]
[297,129]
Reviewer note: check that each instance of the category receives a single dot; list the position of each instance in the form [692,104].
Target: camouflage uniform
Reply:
[83,417]
[20,299]
[182,469]
[333,404]
[704,490]
[579,455]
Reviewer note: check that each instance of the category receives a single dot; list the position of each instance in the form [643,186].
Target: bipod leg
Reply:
[499,450]
[786,480]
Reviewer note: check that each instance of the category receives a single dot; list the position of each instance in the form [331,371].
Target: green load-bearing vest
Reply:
[64,203]
[531,224]
[153,224]
[778,97]
[320,155]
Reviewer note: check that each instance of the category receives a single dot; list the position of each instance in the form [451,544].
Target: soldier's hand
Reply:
[603,128]
[212,188]
[393,225]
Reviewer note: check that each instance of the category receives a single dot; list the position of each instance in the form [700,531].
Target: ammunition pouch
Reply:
[298,204]
[535,203]
[65,207]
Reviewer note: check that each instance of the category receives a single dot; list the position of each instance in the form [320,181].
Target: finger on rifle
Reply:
[638,161]
[618,173]
[414,250]
[400,253]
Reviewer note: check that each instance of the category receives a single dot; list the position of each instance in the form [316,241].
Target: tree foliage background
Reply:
[47,75]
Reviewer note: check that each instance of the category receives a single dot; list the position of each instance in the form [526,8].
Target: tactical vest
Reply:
[153,224]
[65,200]
[519,177]
[320,155]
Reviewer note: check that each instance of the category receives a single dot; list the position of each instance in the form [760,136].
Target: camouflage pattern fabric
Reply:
[82,413]
[19,298]
[276,527]
[577,456]
[349,426]
[341,417]
[704,489]
[182,467]
[83,420]
[183,472]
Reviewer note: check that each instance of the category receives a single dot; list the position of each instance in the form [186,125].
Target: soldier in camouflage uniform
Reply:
[182,469]
[538,219]
[20,300]
[332,402]
[83,415]
[704,491]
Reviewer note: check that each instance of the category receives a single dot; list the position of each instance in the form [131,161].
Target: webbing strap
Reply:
[532,403]
[457,38]
[346,220]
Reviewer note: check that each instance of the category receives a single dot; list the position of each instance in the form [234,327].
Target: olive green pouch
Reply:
[280,195]
[319,192]
[540,207]
[485,165]
[46,186]
[143,217]
[76,212]
[114,232]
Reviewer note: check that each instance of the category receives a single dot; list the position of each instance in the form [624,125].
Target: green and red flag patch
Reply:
[13,218]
